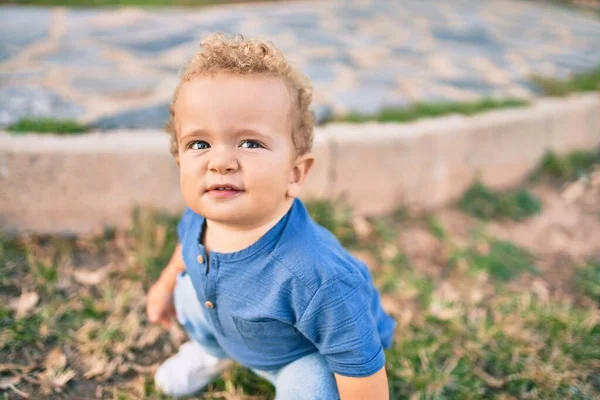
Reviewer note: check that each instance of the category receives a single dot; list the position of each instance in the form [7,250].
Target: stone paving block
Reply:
[448,52]
[68,184]
[146,117]
[572,123]
[317,185]
[505,146]
[379,167]
[20,101]
[18,29]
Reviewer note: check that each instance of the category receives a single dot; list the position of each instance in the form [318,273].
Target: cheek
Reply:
[189,170]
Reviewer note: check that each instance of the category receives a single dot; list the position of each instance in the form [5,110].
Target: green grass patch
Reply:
[581,82]
[587,280]
[487,204]
[17,332]
[429,110]
[570,167]
[502,260]
[511,346]
[47,125]
[154,237]
[436,227]
[334,217]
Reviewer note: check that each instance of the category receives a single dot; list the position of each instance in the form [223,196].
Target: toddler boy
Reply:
[254,279]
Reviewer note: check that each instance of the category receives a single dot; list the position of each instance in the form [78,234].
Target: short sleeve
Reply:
[338,320]
[184,224]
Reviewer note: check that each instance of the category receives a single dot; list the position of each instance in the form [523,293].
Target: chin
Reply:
[223,215]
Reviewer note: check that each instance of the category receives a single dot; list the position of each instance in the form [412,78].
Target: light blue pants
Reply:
[304,379]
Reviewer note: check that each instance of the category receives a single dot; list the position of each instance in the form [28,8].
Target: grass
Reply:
[487,204]
[47,125]
[502,260]
[472,332]
[336,218]
[570,167]
[95,3]
[429,110]
[587,280]
[582,82]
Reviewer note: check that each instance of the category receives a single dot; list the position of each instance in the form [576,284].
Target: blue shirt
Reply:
[293,292]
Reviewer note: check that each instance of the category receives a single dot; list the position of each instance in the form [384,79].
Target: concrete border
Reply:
[79,184]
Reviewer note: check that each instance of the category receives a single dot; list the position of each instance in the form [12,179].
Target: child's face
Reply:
[236,155]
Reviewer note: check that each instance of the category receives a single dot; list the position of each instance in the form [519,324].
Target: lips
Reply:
[224,191]
[224,187]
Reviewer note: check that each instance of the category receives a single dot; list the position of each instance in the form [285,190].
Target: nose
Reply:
[223,161]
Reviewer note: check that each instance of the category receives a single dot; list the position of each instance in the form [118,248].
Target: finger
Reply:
[165,323]
[153,316]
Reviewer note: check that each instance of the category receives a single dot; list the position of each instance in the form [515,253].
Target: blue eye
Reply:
[251,144]
[199,145]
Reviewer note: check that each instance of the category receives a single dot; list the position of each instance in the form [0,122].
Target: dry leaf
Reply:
[55,360]
[541,290]
[24,303]
[96,366]
[16,367]
[62,378]
[362,227]
[9,381]
[89,278]
[178,336]
[488,379]
[391,305]
[573,191]
[148,337]
[55,377]
[367,258]
[389,251]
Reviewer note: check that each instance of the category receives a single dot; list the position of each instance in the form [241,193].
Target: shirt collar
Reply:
[266,243]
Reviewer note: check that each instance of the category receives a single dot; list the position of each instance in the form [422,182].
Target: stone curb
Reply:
[80,184]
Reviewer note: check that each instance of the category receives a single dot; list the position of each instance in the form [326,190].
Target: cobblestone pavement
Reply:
[117,67]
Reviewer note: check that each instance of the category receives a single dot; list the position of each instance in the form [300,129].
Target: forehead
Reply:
[233,101]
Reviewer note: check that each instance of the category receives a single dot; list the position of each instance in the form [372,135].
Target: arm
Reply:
[175,265]
[159,302]
[374,387]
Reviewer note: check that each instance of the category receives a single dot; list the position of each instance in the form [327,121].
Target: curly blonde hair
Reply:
[241,56]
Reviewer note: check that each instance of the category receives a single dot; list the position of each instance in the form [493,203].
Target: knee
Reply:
[307,378]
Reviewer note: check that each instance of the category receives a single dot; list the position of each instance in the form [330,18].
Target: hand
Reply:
[159,304]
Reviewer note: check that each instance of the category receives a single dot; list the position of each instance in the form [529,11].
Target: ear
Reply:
[301,167]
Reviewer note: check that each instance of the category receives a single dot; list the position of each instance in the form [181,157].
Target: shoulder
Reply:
[189,224]
[313,254]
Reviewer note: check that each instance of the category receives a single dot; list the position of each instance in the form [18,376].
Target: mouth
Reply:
[224,187]
[224,191]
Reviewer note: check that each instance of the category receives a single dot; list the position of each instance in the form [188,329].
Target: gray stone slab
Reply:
[157,45]
[368,100]
[154,117]
[22,101]
[320,37]
[323,113]
[117,84]
[77,55]
[21,27]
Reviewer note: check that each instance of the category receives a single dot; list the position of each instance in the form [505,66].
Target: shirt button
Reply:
[209,304]
[200,259]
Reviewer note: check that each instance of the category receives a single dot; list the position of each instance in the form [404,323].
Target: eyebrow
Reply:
[252,132]
[194,133]
[239,132]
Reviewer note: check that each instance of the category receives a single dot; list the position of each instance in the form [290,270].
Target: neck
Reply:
[224,238]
